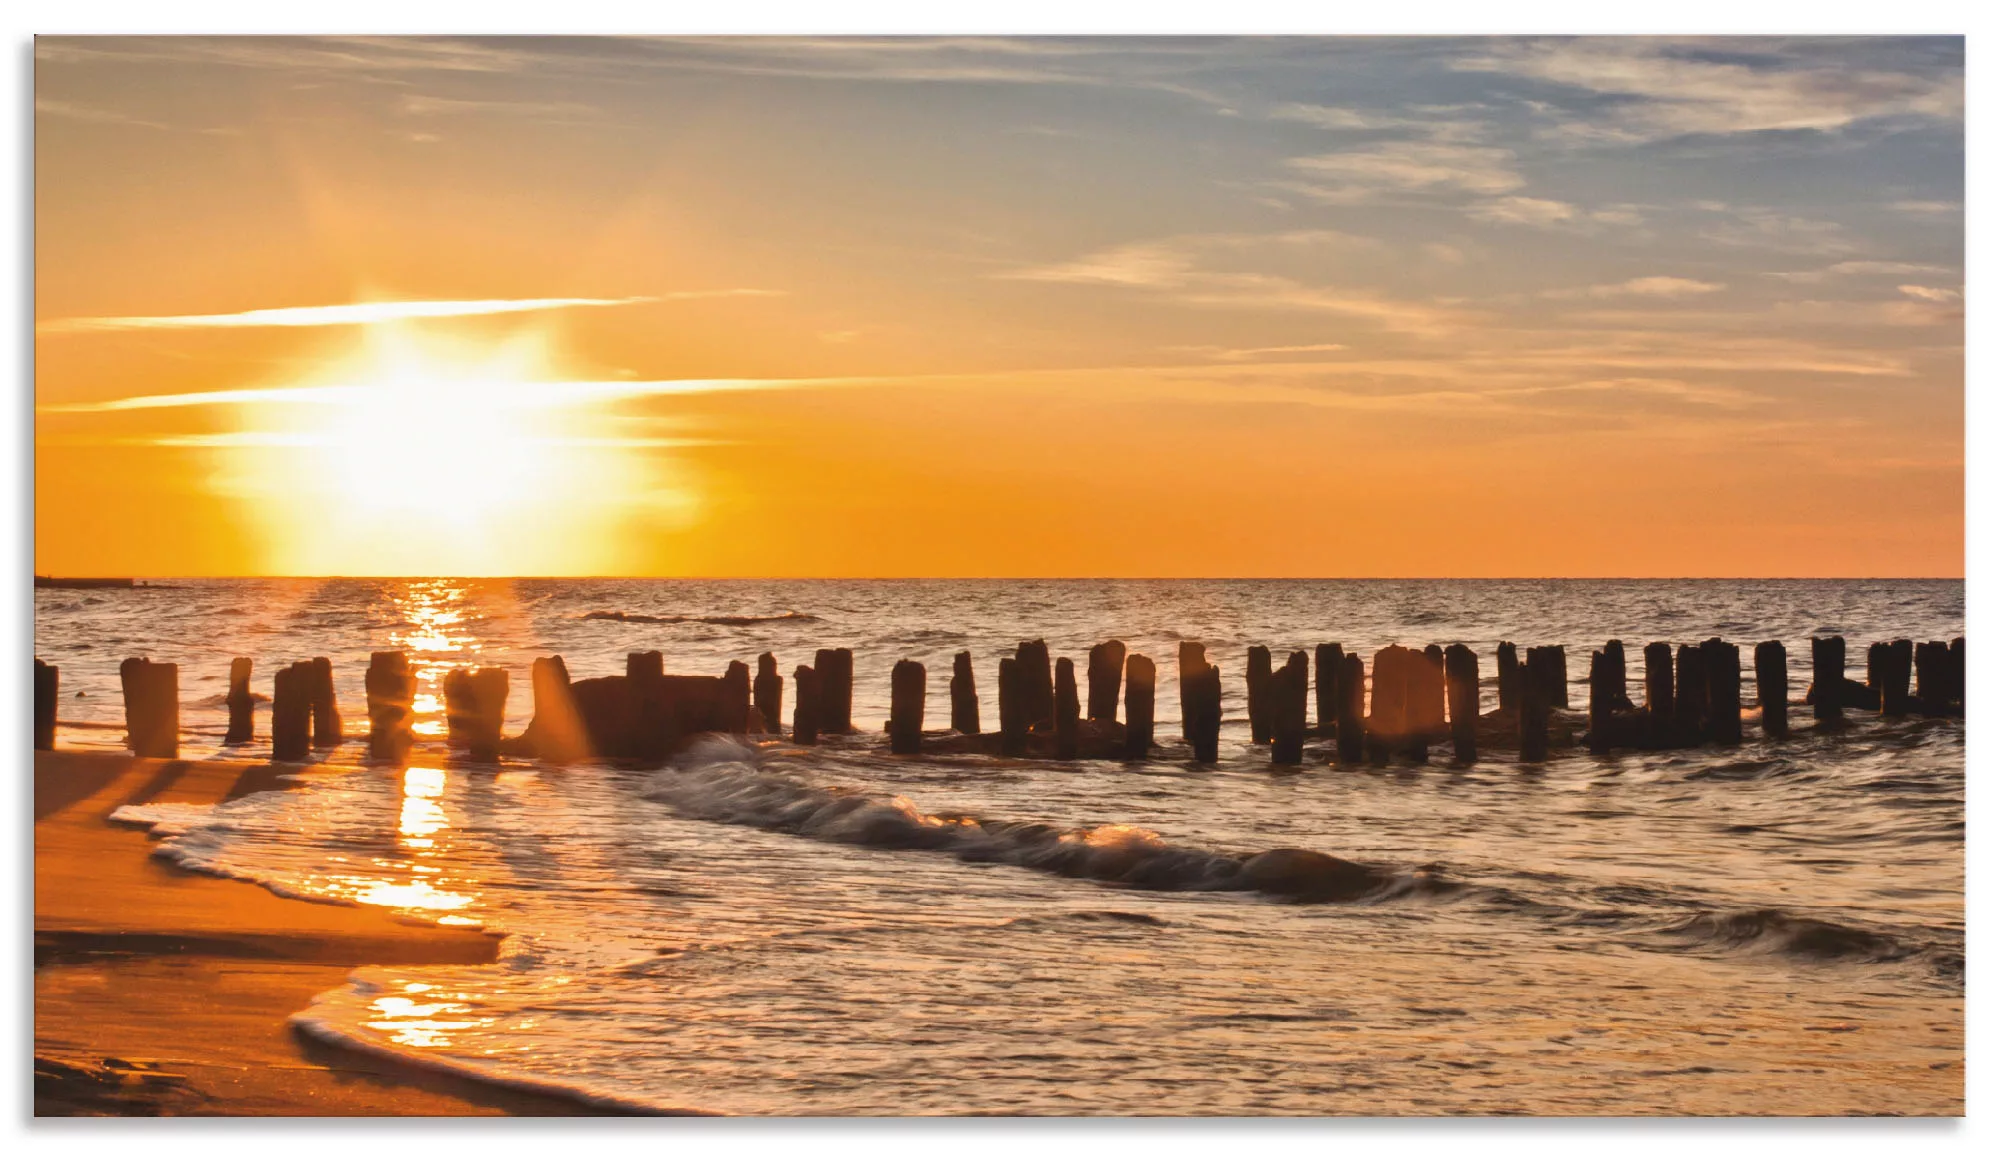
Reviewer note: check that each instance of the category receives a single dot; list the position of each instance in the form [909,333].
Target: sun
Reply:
[427,456]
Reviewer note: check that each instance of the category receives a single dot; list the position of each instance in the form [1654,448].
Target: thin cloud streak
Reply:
[338,315]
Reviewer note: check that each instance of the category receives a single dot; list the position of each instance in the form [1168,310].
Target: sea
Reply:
[759,928]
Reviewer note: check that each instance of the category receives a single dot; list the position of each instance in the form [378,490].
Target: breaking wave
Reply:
[726,620]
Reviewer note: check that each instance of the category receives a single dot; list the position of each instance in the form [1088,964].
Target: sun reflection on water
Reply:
[435,615]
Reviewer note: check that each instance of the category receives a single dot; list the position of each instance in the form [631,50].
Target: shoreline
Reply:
[160,991]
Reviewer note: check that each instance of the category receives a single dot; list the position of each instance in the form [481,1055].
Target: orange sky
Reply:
[973,308]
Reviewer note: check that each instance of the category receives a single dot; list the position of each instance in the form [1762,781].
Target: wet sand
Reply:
[163,992]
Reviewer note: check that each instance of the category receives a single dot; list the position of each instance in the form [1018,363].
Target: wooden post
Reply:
[1933,661]
[1193,662]
[291,713]
[152,708]
[1461,676]
[1602,694]
[1286,692]
[1388,712]
[1895,673]
[1427,691]
[1773,684]
[1037,683]
[1829,682]
[964,695]
[736,698]
[390,689]
[487,692]
[1257,677]
[1660,694]
[906,707]
[1351,735]
[242,706]
[1534,706]
[1066,708]
[48,683]
[559,736]
[1138,707]
[1326,687]
[1690,694]
[1723,664]
[1615,650]
[1557,670]
[1957,666]
[1201,702]
[1107,672]
[1508,669]
[1014,721]
[645,675]
[769,690]
[836,689]
[325,709]
[805,705]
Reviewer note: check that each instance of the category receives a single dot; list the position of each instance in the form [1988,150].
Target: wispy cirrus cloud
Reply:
[1650,287]
[381,311]
[528,394]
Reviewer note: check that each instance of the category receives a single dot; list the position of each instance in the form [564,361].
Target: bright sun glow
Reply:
[440,458]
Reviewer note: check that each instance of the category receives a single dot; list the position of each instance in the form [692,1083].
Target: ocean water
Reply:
[1776,928]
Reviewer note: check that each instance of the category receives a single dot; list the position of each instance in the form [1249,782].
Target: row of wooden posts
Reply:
[1693,695]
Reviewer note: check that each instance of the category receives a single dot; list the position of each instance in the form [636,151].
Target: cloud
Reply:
[1523,210]
[1928,209]
[536,394]
[1669,88]
[334,315]
[1929,295]
[92,115]
[415,105]
[1650,287]
[1861,268]
[1406,166]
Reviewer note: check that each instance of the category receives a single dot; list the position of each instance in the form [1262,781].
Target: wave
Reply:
[727,620]
[722,781]
[1770,931]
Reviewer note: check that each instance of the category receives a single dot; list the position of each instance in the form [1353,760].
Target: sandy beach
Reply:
[162,992]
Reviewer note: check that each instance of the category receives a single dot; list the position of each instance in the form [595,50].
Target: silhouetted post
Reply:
[1193,661]
[906,707]
[1602,694]
[1013,708]
[1461,679]
[836,689]
[325,710]
[1107,671]
[1066,708]
[770,692]
[1660,693]
[152,707]
[1139,706]
[964,695]
[1723,663]
[1829,657]
[559,736]
[291,713]
[1351,734]
[390,689]
[736,697]
[1257,681]
[805,706]
[475,707]
[1773,683]
[1388,718]
[1037,684]
[1874,663]
[645,674]
[1326,687]
[1507,666]
[1534,710]
[1426,706]
[1896,677]
[1557,670]
[1933,661]
[1690,694]
[1615,649]
[48,684]
[1287,688]
[1957,666]
[1201,702]
[242,705]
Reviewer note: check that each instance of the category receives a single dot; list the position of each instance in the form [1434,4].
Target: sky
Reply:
[1284,307]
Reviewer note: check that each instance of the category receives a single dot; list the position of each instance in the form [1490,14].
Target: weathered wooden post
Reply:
[1351,735]
[805,705]
[325,709]
[1066,708]
[242,705]
[1138,707]
[48,684]
[1461,676]
[1427,692]
[1257,682]
[556,726]
[1201,702]
[645,678]
[1037,683]
[475,707]
[1014,721]
[1193,660]
[1958,671]
[1388,719]
[1602,694]
[1287,694]
[1507,666]
[1895,672]
[964,695]
[1829,683]
[1723,664]
[1107,672]
[836,689]
[736,697]
[390,690]
[1773,683]
[906,707]
[291,713]
[770,693]
[1933,660]
[1615,651]
[1534,709]
[1557,670]
[1326,687]
[1660,729]
[1690,694]
[152,707]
